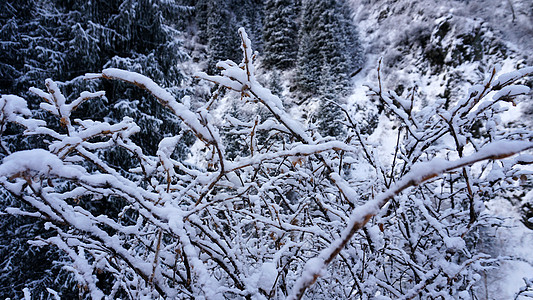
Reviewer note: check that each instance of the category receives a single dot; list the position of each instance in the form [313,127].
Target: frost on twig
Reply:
[526,290]
[419,173]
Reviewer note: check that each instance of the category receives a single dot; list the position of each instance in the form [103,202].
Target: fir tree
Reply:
[221,34]
[217,23]
[329,52]
[63,39]
[329,114]
[328,39]
[280,34]
[249,14]
[32,44]
[201,17]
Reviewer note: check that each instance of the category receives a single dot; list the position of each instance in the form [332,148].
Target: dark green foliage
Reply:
[280,34]
[217,29]
[23,265]
[329,53]
[329,114]
[217,22]
[11,58]
[328,39]
[275,84]
[309,66]
[329,117]
[201,17]
[249,14]
[222,39]
[32,45]
[63,39]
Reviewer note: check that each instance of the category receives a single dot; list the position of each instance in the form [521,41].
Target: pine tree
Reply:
[329,52]
[201,17]
[31,49]
[249,14]
[63,39]
[32,46]
[11,58]
[329,114]
[280,34]
[217,23]
[223,41]
[328,39]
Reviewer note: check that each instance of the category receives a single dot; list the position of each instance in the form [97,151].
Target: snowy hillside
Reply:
[442,48]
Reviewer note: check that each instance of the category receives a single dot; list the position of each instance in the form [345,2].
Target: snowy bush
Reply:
[295,215]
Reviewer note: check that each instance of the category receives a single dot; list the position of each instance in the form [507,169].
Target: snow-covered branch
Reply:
[272,216]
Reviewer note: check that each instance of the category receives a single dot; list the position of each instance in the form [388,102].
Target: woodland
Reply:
[265,149]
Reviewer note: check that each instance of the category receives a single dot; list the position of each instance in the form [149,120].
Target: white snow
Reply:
[512,240]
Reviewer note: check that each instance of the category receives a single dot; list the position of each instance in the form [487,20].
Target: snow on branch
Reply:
[263,205]
[164,97]
[419,173]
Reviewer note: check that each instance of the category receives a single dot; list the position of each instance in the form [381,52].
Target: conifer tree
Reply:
[329,52]
[11,58]
[328,39]
[249,14]
[280,34]
[63,39]
[217,23]
[201,16]
[329,114]
[222,40]
[32,46]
